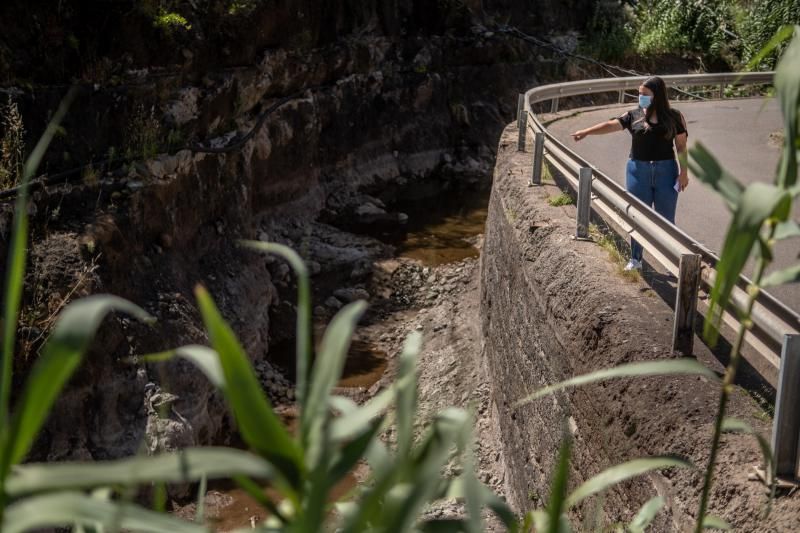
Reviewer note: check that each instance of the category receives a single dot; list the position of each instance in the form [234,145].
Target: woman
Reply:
[652,173]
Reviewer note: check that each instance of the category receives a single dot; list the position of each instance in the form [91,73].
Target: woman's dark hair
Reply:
[660,106]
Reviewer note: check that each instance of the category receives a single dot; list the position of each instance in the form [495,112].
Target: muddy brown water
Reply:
[243,511]
[437,233]
[364,366]
[444,230]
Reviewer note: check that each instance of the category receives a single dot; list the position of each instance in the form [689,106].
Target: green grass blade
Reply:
[407,395]
[187,465]
[422,475]
[260,427]
[352,453]
[715,522]
[63,352]
[200,513]
[541,522]
[786,230]
[473,493]
[787,275]
[622,472]
[759,202]
[734,425]
[400,488]
[784,33]
[354,422]
[15,272]
[558,487]
[65,509]
[159,498]
[378,459]
[203,357]
[316,435]
[708,170]
[644,368]
[501,509]
[326,372]
[303,313]
[787,83]
[646,514]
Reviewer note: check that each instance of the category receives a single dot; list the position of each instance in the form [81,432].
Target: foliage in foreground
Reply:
[335,434]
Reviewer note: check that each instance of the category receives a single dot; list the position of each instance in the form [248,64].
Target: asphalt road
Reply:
[740,133]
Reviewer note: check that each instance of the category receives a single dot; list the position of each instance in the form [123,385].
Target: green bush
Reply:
[609,31]
[170,21]
[12,144]
[680,26]
[758,23]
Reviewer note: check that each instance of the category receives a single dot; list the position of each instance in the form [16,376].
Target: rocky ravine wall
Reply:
[552,308]
[386,105]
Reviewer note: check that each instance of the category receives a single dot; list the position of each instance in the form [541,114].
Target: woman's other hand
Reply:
[683,180]
[578,135]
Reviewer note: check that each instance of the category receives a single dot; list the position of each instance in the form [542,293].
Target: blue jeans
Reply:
[653,182]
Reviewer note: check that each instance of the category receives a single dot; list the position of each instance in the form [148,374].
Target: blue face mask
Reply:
[645,101]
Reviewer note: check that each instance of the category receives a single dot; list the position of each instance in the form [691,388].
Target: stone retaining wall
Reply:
[553,307]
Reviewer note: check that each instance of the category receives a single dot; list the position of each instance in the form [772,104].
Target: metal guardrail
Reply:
[776,328]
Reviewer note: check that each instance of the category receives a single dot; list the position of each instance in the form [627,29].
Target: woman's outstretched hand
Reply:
[578,135]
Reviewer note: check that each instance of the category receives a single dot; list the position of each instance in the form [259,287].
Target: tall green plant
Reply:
[761,216]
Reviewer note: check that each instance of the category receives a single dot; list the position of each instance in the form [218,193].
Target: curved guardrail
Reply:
[772,320]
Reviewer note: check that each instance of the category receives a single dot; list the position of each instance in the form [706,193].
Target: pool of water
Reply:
[364,365]
[241,510]
[443,230]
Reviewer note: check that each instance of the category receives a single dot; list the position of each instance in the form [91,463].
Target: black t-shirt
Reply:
[649,141]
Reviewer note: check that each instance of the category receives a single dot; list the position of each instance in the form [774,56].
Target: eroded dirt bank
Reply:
[552,308]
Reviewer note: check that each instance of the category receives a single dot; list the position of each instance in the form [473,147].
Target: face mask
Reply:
[644,101]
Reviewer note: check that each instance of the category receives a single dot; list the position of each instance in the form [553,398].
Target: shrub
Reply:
[562,198]
[12,145]
[609,30]
[759,23]
[680,26]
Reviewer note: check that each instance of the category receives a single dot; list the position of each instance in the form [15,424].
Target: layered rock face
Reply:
[386,99]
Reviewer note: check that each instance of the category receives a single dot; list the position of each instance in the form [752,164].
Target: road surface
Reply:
[744,135]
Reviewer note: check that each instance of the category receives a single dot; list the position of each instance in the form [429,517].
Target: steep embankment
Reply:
[390,99]
[553,308]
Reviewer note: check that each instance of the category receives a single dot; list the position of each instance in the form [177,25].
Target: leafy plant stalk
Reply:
[15,278]
[727,383]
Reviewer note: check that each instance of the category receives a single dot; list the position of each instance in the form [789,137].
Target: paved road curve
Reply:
[740,133]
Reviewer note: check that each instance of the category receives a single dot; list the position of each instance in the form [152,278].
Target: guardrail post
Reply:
[584,202]
[721,91]
[520,108]
[686,304]
[554,105]
[786,423]
[523,128]
[538,159]
[622,96]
